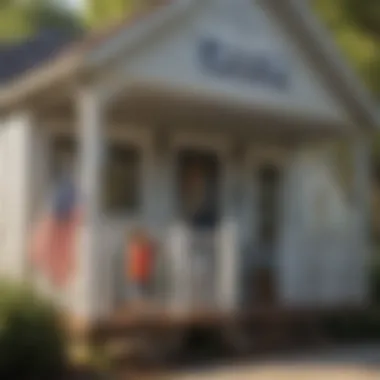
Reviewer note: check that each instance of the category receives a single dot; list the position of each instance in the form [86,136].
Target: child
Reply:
[140,264]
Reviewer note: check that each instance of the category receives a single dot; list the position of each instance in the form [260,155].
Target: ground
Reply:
[344,363]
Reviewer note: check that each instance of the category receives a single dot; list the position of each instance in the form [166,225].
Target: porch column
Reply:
[230,247]
[89,297]
[362,191]
[15,197]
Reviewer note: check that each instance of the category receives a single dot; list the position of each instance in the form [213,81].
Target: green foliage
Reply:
[366,14]
[32,344]
[44,14]
[355,25]
[353,328]
[103,12]
[19,19]
[22,18]
[14,23]
[375,280]
[363,326]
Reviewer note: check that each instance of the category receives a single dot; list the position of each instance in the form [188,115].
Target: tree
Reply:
[356,27]
[14,23]
[366,14]
[46,14]
[355,24]
[103,12]
[19,19]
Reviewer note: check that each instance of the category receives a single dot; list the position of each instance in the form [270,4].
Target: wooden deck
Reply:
[144,318]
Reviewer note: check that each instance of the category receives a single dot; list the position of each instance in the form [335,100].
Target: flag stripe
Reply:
[53,241]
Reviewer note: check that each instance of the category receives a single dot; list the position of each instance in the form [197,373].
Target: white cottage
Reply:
[248,98]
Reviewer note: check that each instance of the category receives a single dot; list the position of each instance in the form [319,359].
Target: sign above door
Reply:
[225,60]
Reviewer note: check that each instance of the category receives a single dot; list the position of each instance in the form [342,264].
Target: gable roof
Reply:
[17,58]
[318,43]
[297,16]
[68,60]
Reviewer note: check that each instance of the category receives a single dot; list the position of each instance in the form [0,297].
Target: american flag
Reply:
[53,243]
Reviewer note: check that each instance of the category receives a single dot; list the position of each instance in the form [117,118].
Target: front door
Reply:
[198,203]
[199,189]
[268,180]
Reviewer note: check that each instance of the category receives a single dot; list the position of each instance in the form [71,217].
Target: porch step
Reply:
[256,331]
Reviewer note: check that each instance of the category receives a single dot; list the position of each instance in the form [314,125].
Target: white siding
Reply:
[320,260]
[14,155]
[320,256]
[170,58]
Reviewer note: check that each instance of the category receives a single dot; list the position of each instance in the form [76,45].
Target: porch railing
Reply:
[203,269]
[195,270]
[192,263]
[327,270]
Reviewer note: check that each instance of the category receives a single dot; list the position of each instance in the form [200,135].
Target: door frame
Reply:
[214,143]
[258,155]
[207,142]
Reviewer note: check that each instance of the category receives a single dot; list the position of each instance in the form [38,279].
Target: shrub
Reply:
[32,344]
[375,284]
[354,328]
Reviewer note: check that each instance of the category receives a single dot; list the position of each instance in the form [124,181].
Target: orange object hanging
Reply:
[140,261]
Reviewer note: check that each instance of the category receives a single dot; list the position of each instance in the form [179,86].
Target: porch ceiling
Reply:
[171,107]
[168,108]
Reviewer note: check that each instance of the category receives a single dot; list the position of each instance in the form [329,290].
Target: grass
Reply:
[87,358]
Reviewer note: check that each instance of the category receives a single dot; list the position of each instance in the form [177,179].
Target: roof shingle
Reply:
[16,59]
[52,44]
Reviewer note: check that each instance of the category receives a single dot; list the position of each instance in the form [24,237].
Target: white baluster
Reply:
[179,263]
[228,267]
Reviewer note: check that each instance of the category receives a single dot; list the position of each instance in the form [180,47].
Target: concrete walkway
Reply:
[347,363]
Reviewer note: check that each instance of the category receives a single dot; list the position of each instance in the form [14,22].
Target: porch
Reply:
[214,270]
[255,89]
[196,267]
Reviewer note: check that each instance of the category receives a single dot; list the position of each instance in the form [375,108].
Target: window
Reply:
[268,178]
[122,190]
[63,155]
[341,166]
[199,187]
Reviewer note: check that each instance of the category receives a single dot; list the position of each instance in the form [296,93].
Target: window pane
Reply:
[62,156]
[269,186]
[199,187]
[122,180]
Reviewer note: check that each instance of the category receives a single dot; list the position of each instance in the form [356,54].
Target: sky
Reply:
[75,4]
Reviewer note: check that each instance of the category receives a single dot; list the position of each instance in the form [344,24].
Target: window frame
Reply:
[125,211]
[184,158]
[257,156]
[275,202]
[53,174]
[214,143]
[129,134]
